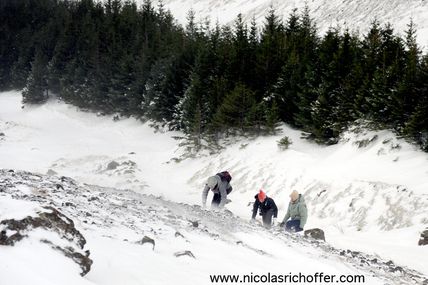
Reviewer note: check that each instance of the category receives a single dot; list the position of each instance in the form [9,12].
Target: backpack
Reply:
[225,176]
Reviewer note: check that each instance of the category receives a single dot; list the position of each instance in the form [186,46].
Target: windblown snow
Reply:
[368,193]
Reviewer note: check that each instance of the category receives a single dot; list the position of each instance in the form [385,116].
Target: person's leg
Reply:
[267,218]
[216,200]
[292,225]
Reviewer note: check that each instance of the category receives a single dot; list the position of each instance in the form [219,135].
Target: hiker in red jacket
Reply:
[266,207]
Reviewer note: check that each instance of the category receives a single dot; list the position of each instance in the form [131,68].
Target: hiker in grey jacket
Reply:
[298,213]
[219,184]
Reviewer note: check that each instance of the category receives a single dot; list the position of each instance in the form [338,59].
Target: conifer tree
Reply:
[36,90]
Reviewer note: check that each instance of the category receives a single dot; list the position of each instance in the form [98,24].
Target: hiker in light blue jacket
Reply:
[298,213]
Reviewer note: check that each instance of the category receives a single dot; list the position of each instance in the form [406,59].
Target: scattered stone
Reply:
[317,234]
[93,199]
[112,165]
[342,253]
[59,186]
[182,253]
[68,204]
[396,269]
[239,242]
[132,152]
[11,240]
[374,260]
[146,239]
[424,238]
[51,172]
[178,234]
[195,224]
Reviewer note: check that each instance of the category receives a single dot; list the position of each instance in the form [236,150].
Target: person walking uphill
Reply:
[219,184]
[267,208]
[297,212]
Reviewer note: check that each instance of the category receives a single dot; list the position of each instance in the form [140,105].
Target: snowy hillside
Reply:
[356,15]
[368,193]
[139,239]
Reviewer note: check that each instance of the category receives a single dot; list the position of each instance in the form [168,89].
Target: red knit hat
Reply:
[261,196]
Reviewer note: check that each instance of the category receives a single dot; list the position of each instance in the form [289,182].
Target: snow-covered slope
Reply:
[368,193]
[186,244]
[356,15]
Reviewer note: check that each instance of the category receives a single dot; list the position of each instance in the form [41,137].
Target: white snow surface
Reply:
[355,15]
[372,198]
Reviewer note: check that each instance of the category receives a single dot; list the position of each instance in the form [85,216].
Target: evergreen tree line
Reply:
[205,79]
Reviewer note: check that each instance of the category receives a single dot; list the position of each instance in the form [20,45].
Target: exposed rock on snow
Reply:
[317,234]
[146,239]
[184,253]
[54,221]
[424,238]
[51,172]
[112,165]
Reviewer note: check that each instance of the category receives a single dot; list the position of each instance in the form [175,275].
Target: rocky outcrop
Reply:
[146,239]
[51,220]
[424,238]
[317,234]
[112,165]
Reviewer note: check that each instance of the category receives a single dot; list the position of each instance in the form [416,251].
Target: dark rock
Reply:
[178,234]
[93,199]
[112,165]
[374,260]
[83,260]
[2,134]
[11,240]
[342,253]
[195,224]
[396,269]
[53,221]
[317,234]
[68,204]
[355,253]
[51,172]
[59,186]
[146,239]
[424,238]
[183,253]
